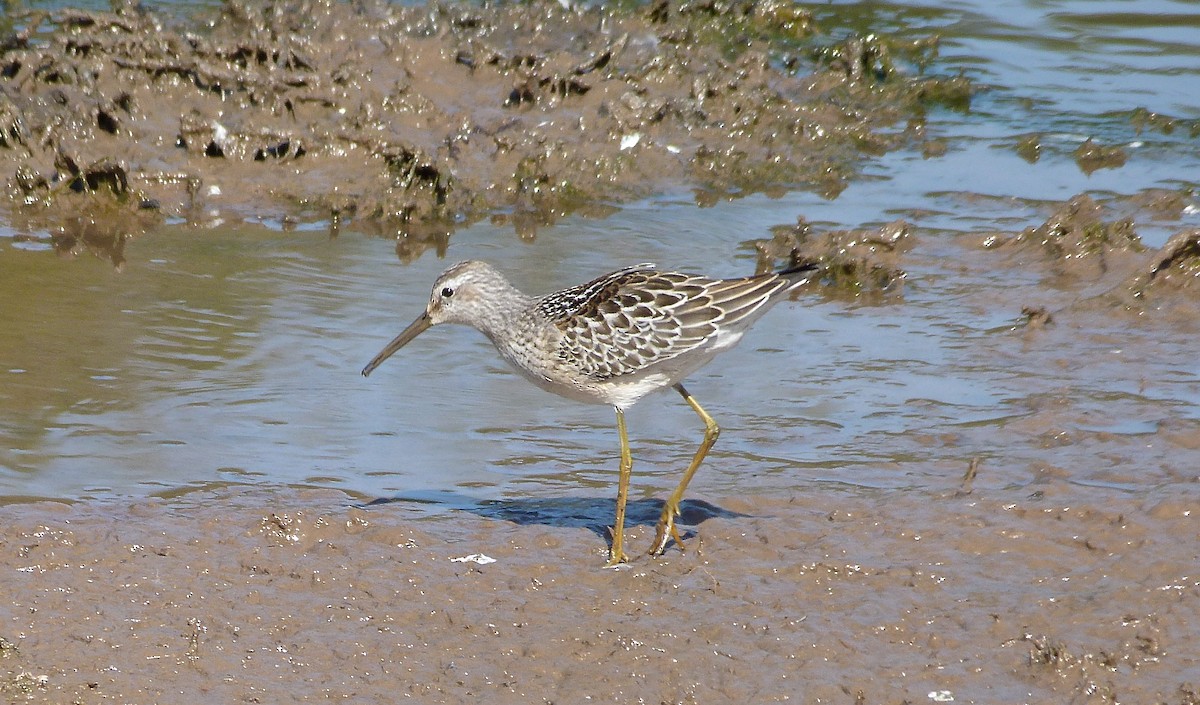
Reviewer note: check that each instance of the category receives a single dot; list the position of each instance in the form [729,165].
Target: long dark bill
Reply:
[413,330]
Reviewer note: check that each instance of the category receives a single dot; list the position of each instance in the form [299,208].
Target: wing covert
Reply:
[633,319]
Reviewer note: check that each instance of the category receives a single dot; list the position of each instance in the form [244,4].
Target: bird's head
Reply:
[465,293]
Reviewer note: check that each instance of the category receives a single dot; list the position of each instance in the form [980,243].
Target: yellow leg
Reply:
[666,523]
[617,554]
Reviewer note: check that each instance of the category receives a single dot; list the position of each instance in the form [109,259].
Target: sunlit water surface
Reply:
[232,355]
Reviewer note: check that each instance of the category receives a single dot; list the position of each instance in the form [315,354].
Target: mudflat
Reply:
[256,596]
[412,121]
[419,119]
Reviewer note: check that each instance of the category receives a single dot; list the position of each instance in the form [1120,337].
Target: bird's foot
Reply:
[616,554]
[615,560]
[666,530]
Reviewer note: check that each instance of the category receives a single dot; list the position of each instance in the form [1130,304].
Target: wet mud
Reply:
[862,265]
[428,117]
[1094,249]
[1018,596]
[410,122]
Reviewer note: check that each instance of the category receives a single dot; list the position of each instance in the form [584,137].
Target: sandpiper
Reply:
[610,341]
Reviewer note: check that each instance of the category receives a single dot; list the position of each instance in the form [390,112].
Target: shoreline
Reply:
[280,597]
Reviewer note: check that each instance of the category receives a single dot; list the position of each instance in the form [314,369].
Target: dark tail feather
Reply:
[797,272]
[798,268]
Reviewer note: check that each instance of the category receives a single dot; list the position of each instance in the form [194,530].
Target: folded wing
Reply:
[630,320]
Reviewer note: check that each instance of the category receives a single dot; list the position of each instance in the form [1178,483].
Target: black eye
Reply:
[447,293]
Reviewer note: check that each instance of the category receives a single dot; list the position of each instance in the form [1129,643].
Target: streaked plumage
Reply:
[610,341]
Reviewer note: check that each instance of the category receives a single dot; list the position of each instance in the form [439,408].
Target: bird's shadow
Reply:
[592,513]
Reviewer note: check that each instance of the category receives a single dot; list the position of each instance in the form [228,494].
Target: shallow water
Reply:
[231,355]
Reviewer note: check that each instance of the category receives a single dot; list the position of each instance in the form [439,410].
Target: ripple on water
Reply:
[240,349]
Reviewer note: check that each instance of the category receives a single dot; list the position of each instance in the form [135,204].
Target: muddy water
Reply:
[843,551]
[233,356]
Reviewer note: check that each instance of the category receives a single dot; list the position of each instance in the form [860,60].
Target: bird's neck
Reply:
[505,308]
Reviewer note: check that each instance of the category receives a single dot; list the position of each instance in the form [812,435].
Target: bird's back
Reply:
[638,329]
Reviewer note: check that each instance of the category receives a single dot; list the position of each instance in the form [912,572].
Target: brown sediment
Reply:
[977,593]
[413,120]
[1080,240]
[416,115]
[863,264]
[1092,248]
[1170,277]
[1145,120]
[1036,317]
[1161,204]
[1029,148]
[1078,231]
[1091,156]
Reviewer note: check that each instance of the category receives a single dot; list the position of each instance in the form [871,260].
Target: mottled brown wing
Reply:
[634,318]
